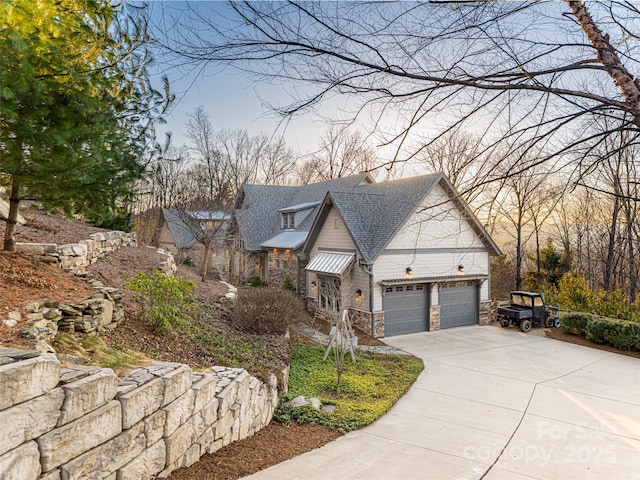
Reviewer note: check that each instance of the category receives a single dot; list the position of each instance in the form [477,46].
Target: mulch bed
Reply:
[271,445]
[558,334]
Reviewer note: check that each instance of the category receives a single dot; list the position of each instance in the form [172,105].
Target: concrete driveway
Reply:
[494,404]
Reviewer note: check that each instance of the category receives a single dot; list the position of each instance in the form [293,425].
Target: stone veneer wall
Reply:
[434,318]
[83,422]
[485,313]
[276,274]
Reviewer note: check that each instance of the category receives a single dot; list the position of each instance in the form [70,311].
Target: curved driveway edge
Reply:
[494,404]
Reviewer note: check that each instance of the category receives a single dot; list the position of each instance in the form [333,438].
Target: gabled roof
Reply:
[182,233]
[260,220]
[373,214]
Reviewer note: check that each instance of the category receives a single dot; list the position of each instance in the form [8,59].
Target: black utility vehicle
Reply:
[527,309]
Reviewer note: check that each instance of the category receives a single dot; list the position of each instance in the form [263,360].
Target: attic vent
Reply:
[335,223]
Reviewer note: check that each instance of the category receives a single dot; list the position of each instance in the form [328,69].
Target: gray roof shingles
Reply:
[261,220]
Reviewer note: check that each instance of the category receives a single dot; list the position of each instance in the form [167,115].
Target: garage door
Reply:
[458,304]
[405,309]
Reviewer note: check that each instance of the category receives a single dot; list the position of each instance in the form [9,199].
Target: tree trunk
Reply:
[519,255]
[611,247]
[12,220]
[205,262]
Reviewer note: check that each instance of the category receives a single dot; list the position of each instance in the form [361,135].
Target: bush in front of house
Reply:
[266,311]
[288,284]
[622,334]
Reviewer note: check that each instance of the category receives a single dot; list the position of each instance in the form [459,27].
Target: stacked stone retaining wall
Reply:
[82,422]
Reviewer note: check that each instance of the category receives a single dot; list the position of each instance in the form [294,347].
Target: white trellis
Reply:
[342,337]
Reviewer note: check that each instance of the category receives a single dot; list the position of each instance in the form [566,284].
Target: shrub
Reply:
[266,311]
[288,284]
[621,334]
[168,301]
[257,282]
[574,293]
[576,323]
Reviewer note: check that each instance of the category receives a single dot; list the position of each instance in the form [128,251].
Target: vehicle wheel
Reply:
[556,322]
[525,326]
[549,322]
[505,322]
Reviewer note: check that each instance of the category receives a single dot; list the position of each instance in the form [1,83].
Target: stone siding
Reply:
[83,422]
[361,319]
[434,318]
[281,263]
[484,317]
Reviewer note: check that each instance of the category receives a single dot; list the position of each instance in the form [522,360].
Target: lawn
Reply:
[369,387]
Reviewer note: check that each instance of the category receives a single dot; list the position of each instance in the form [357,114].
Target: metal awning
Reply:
[331,263]
[291,240]
[444,278]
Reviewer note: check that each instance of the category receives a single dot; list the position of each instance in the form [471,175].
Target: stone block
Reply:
[176,383]
[35,248]
[243,381]
[146,465]
[178,412]
[141,402]
[205,391]
[106,312]
[73,250]
[215,446]
[52,475]
[205,440]
[22,463]
[29,420]
[226,398]
[105,459]
[88,394]
[27,379]
[71,440]
[191,456]
[154,427]
[209,412]
[183,438]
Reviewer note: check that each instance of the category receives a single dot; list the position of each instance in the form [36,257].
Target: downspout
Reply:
[368,269]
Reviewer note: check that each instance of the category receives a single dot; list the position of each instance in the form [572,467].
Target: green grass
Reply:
[369,387]
[94,348]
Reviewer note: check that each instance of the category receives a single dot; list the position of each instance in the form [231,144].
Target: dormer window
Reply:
[288,220]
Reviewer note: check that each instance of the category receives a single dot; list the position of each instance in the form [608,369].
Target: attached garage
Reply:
[458,304]
[405,309]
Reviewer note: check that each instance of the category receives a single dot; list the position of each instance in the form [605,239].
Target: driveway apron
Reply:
[494,404]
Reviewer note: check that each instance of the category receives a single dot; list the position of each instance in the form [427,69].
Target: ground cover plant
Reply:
[369,387]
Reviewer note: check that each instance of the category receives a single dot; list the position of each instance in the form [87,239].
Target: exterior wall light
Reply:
[358,295]
[313,286]
[408,272]
[461,269]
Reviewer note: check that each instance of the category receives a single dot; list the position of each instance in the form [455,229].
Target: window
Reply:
[399,289]
[419,287]
[277,263]
[288,220]
[283,263]
[329,294]
[388,289]
[409,288]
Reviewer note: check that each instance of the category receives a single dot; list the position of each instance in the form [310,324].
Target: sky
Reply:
[233,99]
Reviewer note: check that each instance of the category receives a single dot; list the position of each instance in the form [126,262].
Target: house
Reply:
[402,256]
[184,234]
[270,226]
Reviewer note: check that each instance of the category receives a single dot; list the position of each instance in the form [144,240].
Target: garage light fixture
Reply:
[461,269]
[313,286]
[358,295]
[408,272]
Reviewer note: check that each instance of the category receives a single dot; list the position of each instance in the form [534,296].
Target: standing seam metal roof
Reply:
[331,263]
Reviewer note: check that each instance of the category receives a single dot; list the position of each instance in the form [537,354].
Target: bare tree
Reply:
[341,152]
[514,71]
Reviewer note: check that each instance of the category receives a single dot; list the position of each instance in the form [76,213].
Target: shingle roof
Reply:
[183,236]
[260,221]
[374,213]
